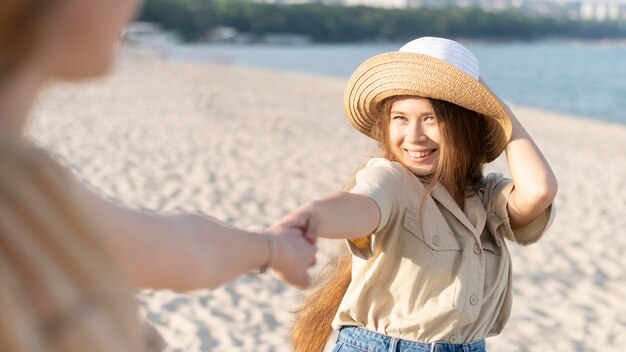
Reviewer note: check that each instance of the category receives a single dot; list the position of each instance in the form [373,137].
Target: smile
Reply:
[419,156]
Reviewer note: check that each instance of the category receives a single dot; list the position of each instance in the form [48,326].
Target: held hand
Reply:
[305,219]
[294,255]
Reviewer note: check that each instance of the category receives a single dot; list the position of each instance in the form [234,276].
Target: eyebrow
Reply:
[395,112]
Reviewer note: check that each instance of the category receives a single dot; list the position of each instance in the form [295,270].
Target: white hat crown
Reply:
[447,50]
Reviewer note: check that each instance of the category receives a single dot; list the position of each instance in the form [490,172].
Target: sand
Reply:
[249,145]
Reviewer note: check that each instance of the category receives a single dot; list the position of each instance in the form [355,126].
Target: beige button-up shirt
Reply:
[446,280]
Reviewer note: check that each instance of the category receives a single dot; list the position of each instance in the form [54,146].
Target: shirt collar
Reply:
[473,207]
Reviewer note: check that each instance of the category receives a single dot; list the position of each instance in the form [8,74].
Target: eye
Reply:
[429,118]
[399,118]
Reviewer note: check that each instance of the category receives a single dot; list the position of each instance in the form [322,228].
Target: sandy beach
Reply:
[247,146]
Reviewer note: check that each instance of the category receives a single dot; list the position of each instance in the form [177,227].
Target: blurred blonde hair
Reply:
[59,291]
[19,27]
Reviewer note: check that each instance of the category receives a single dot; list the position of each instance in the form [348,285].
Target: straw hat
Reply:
[428,67]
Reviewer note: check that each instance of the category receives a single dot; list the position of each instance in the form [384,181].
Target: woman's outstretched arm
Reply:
[185,252]
[340,215]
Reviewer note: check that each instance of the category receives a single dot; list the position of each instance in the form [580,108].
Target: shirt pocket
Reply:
[437,237]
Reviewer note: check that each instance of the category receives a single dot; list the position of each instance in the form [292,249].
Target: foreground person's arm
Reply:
[184,251]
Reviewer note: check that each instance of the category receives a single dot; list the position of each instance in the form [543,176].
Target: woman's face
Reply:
[414,134]
[79,37]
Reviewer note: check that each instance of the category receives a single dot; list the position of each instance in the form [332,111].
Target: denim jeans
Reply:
[354,339]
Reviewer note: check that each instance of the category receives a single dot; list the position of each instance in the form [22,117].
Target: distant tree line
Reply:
[195,19]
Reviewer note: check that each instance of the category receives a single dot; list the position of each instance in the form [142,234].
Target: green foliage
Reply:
[194,20]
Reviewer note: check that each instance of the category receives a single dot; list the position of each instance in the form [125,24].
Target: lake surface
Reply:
[581,79]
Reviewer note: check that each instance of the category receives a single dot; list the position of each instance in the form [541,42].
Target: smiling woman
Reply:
[422,222]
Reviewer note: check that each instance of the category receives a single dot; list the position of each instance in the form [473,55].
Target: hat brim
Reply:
[403,73]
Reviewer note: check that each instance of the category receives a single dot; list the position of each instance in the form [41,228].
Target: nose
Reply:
[416,134]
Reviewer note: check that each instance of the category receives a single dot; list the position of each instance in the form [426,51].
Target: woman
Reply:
[48,214]
[428,267]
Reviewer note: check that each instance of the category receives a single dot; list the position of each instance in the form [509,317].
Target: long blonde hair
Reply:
[59,289]
[463,150]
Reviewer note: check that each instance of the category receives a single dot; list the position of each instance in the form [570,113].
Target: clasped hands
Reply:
[295,236]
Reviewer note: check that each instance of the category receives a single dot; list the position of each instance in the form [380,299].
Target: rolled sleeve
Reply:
[380,181]
[499,190]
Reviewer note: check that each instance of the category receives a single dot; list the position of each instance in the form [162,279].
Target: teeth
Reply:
[419,154]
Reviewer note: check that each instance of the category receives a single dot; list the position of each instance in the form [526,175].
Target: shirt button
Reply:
[453,339]
[436,240]
[473,299]
[476,249]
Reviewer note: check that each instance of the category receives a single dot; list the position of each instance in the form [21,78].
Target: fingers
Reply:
[297,234]
[297,256]
[302,284]
[293,221]
[310,232]
[302,221]
[306,281]
[291,231]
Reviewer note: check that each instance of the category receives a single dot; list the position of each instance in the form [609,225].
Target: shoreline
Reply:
[605,41]
[588,92]
[248,145]
[128,54]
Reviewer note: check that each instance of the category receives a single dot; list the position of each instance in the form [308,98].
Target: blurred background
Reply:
[567,56]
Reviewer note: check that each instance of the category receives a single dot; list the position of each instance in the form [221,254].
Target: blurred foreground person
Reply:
[69,260]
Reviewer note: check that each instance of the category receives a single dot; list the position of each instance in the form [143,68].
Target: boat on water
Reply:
[149,37]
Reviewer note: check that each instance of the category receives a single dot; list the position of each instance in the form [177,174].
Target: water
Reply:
[580,79]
